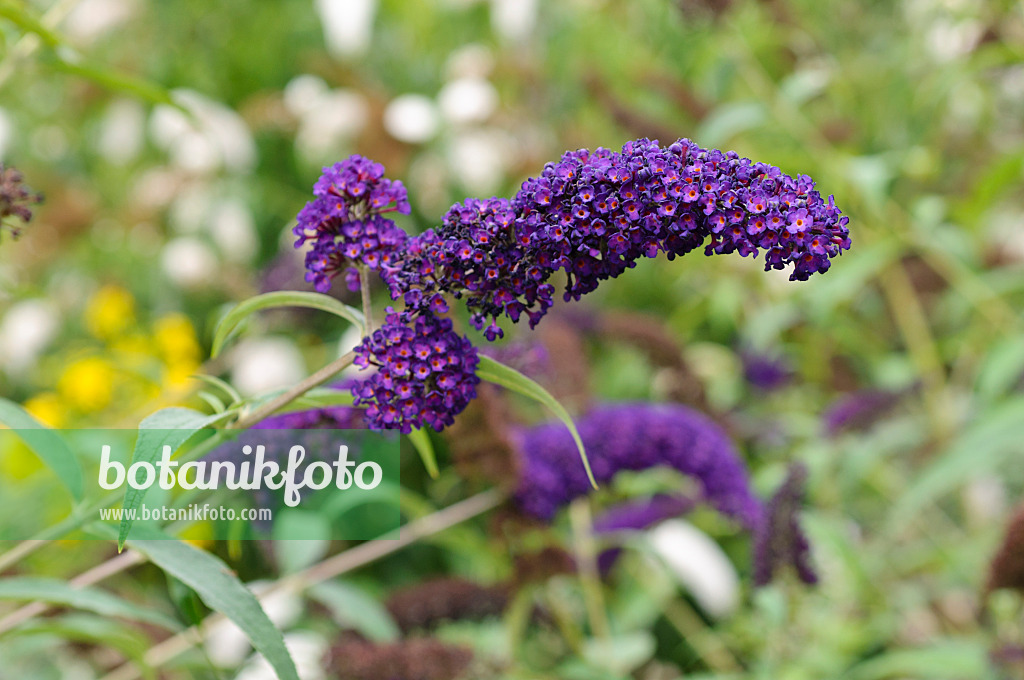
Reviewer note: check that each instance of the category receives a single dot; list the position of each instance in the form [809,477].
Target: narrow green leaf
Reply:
[236,397]
[56,591]
[353,609]
[948,658]
[212,400]
[421,442]
[509,378]
[221,591]
[320,397]
[991,441]
[115,81]
[45,443]
[130,642]
[20,15]
[167,427]
[284,298]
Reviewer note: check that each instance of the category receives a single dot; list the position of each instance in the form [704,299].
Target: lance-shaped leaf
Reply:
[285,298]
[46,444]
[509,378]
[58,592]
[168,427]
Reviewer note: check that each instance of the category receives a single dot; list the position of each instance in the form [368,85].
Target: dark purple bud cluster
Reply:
[779,541]
[425,605]
[352,658]
[345,221]
[634,437]
[15,199]
[426,373]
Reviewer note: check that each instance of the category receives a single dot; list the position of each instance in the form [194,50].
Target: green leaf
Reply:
[353,609]
[421,442]
[221,591]
[132,643]
[284,298]
[993,439]
[621,654]
[167,427]
[946,659]
[115,81]
[320,397]
[19,15]
[46,444]
[509,378]
[236,397]
[56,591]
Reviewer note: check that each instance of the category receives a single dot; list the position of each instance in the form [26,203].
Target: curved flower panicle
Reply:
[594,214]
[15,199]
[426,373]
[345,221]
[634,437]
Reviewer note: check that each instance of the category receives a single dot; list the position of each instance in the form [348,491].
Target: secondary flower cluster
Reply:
[426,373]
[634,437]
[345,221]
[15,199]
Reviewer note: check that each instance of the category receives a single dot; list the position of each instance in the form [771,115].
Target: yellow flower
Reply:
[176,339]
[47,408]
[17,461]
[110,311]
[87,384]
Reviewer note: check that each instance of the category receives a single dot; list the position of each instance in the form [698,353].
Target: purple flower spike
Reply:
[15,199]
[594,214]
[634,437]
[426,373]
[779,541]
[345,221]
[637,515]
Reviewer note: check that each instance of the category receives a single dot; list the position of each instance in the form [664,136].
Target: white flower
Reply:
[479,158]
[699,564]
[330,118]
[263,364]
[411,118]
[90,19]
[25,331]
[6,132]
[513,19]
[347,24]
[307,650]
[122,132]
[214,136]
[189,263]
[234,230]
[468,100]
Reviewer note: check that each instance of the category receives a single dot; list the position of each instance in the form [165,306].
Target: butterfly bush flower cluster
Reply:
[426,373]
[591,215]
[634,437]
[15,199]
[594,214]
[345,221]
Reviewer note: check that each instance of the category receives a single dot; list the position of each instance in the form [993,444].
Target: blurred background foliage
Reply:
[901,368]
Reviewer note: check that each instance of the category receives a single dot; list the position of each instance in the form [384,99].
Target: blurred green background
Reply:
[908,111]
